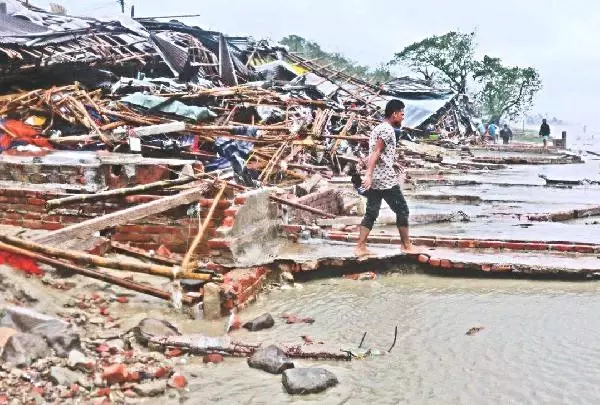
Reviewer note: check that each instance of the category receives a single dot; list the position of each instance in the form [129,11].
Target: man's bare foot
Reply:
[363,251]
[410,249]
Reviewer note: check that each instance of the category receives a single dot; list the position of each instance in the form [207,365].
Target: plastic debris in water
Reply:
[475,330]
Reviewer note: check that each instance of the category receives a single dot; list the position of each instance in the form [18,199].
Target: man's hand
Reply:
[367,181]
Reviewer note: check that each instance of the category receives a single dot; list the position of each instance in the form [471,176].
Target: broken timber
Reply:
[130,285]
[86,228]
[89,259]
[187,260]
[121,192]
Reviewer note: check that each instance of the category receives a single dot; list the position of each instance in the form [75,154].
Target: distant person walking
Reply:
[545,132]
[506,134]
[493,131]
[381,181]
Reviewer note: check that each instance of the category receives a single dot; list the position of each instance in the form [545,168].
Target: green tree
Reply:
[507,91]
[447,58]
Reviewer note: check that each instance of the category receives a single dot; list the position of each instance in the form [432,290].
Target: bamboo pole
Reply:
[130,285]
[186,264]
[86,258]
[120,192]
[162,260]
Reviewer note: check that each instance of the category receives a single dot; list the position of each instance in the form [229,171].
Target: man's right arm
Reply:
[373,158]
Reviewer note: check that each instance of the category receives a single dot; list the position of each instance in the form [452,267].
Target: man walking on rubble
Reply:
[381,180]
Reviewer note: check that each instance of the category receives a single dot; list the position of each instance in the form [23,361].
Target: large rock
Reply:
[303,381]
[151,327]
[265,321]
[64,376]
[151,389]
[59,336]
[26,319]
[270,359]
[23,349]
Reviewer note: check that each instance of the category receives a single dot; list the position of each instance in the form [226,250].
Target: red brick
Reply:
[208,202]
[435,262]
[423,259]
[215,358]
[490,244]
[52,226]
[228,222]
[501,268]
[132,237]
[338,237]
[446,243]
[485,267]
[13,215]
[240,200]
[467,243]
[177,381]
[36,201]
[446,264]
[380,239]
[12,222]
[219,244]
[515,246]
[32,224]
[584,249]
[424,242]
[33,215]
[291,228]
[563,248]
[115,374]
[231,212]
[70,219]
[458,266]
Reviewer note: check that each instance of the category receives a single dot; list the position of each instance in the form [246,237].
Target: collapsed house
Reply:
[146,136]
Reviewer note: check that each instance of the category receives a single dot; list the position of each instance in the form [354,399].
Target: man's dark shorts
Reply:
[394,198]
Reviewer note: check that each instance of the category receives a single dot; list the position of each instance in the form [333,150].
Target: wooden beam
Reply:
[121,192]
[187,260]
[95,274]
[87,228]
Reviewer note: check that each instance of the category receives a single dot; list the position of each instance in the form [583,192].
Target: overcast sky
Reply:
[559,38]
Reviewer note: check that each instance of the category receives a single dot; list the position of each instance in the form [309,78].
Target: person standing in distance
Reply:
[545,132]
[381,180]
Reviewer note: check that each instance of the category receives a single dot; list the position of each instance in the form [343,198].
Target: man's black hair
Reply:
[392,107]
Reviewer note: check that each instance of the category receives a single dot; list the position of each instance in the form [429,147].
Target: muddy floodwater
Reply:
[539,345]
[540,339]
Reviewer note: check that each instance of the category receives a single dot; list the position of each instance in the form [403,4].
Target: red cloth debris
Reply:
[22,263]
[16,131]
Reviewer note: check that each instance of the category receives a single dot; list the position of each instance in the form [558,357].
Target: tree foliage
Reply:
[312,50]
[508,91]
[504,91]
[448,59]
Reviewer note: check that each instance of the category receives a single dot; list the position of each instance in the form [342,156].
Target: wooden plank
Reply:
[87,228]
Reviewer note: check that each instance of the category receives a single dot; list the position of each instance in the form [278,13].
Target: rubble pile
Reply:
[171,162]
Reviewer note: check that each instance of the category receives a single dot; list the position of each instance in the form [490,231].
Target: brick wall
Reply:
[328,200]
[174,228]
